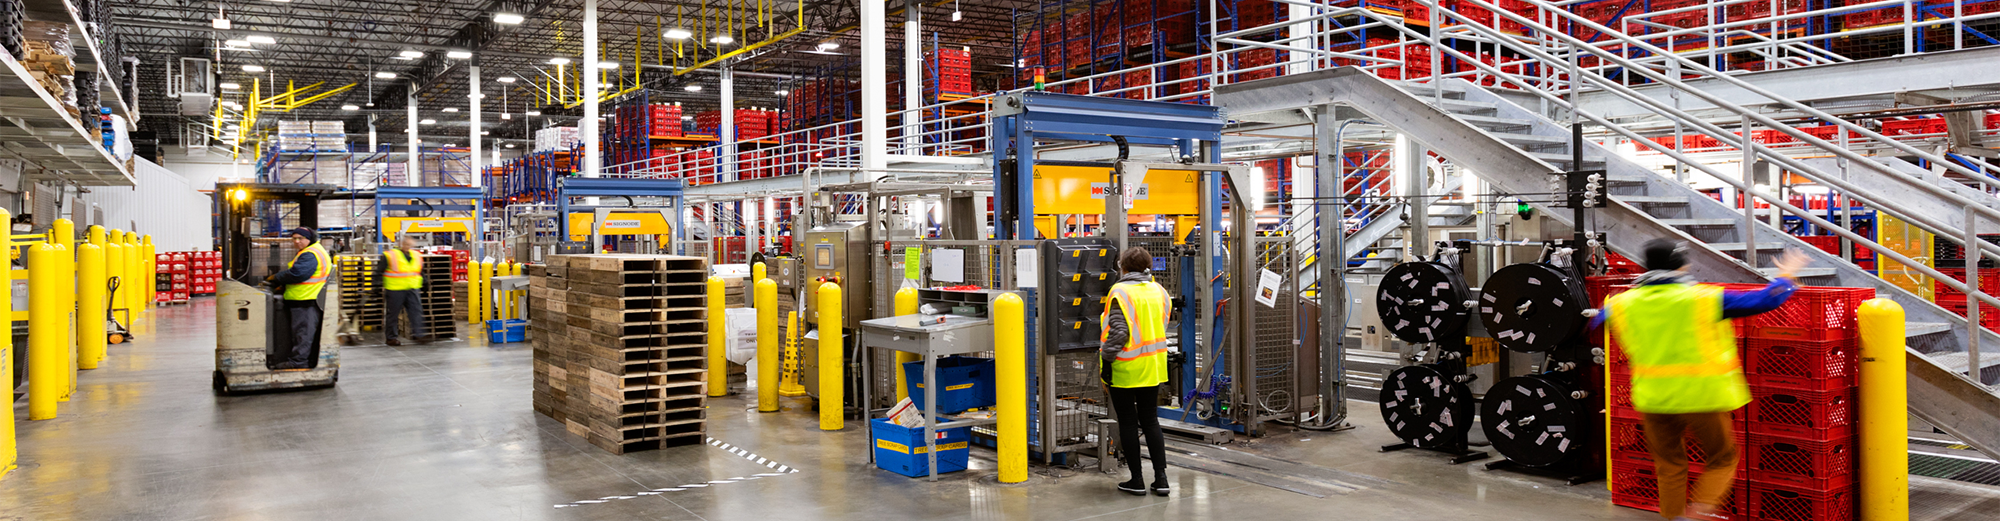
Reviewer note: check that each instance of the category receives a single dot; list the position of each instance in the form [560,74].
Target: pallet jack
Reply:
[252,332]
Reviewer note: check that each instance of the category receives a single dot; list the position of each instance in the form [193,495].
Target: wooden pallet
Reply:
[619,343]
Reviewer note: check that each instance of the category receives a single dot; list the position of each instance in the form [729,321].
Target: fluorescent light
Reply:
[451,109]
[411,54]
[784,93]
[510,145]
[558,61]
[693,88]
[253,68]
[403,58]
[219,23]
[607,65]
[485,132]
[349,107]
[956,16]
[508,18]
[687,118]
[677,34]
[258,38]
[533,113]
[505,79]
[229,86]
[722,39]
[386,75]
[459,55]
[505,115]
[828,46]
[427,122]
[236,43]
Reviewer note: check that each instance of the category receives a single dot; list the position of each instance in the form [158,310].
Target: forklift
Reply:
[252,330]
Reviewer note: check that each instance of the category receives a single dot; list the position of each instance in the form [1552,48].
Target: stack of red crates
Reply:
[1416,59]
[954,70]
[459,259]
[204,268]
[1797,433]
[666,119]
[1077,48]
[1168,22]
[1254,58]
[172,285]
[1955,301]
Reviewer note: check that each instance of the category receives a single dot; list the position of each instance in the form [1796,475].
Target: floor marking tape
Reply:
[712,442]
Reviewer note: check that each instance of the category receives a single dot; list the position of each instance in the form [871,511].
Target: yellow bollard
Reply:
[89,305]
[906,304]
[788,382]
[756,272]
[1010,374]
[513,297]
[8,453]
[135,265]
[832,391]
[65,234]
[718,366]
[1885,420]
[472,284]
[48,335]
[486,309]
[767,345]
[114,269]
[152,269]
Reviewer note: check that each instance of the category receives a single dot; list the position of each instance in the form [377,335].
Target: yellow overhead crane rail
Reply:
[703,25]
[281,102]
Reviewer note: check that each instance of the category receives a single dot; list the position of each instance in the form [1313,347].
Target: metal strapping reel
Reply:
[1533,307]
[1423,302]
[1534,421]
[1426,407]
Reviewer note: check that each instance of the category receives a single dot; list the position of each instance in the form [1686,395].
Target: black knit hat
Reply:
[1662,254]
[302,232]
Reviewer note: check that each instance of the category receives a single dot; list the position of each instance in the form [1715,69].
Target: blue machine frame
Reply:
[1022,118]
[569,187]
[387,197]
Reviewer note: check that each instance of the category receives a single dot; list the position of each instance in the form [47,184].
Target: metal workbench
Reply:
[919,334]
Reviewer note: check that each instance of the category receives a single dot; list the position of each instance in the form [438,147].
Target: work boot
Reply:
[425,339]
[394,342]
[1136,487]
[1160,487]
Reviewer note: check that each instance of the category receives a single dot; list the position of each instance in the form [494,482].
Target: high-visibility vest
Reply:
[1682,351]
[402,272]
[309,290]
[1142,362]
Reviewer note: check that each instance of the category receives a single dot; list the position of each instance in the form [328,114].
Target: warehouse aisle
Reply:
[445,432]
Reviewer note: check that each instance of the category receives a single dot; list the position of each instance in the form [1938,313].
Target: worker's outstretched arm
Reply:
[1738,304]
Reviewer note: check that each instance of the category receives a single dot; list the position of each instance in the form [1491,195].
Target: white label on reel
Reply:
[1427,333]
[1445,418]
[1406,276]
[1402,323]
[1558,428]
[1535,281]
[1543,439]
[1399,425]
[1505,405]
[1563,446]
[1489,297]
[1435,427]
[1485,310]
[1503,430]
[1392,414]
[1548,406]
[1523,390]
[1558,302]
[1531,338]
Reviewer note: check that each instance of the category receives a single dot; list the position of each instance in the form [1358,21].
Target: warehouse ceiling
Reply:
[353,41]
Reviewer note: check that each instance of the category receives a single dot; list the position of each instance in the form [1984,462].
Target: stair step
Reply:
[1530,139]
[1803,272]
[1634,180]
[1460,106]
[1490,122]
[1651,199]
[1698,222]
[1737,246]
[1914,329]
[1424,90]
[1563,157]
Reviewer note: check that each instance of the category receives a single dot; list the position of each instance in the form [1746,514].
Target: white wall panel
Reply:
[163,204]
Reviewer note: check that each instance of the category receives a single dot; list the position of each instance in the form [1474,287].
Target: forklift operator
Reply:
[303,280]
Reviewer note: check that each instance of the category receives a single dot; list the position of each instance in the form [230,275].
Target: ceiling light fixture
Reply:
[693,88]
[219,23]
[505,79]
[722,39]
[411,54]
[451,109]
[229,86]
[828,46]
[677,34]
[510,145]
[607,65]
[459,55]
[427,122]
[236,43]
[349,107]
[533,113]
[253,68]
[258,38]
[505,115]
[784,93]
[508,18]
[687,118]
[386,75]
[558,61]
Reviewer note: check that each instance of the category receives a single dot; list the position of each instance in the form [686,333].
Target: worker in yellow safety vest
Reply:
[1686,377]
[401,275]
[1133,363]
[303,280]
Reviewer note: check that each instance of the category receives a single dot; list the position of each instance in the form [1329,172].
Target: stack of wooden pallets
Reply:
[438,297]
[358,291]
[619,345]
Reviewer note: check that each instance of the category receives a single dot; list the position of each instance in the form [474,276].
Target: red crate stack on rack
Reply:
[665,119]
[1416,59]
[205,267]
[1796,436]
[1254,58]
[171,284]
[1171,21]
[459,259]
[1076,49]
[954,71]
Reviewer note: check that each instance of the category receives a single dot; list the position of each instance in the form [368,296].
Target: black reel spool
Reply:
[1423,302]
[1533,421]
[1425,407]
[1533,307]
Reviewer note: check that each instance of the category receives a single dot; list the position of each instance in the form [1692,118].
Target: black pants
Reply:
[399,302]
[1138,408]
[305,317]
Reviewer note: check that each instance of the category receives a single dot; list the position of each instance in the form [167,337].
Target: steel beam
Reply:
[1962,70]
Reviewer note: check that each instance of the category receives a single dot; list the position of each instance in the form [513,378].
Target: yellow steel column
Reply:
[788,382]
[1885,420]
[767,345]
[152,269]
[1010,373]
[8,453]
[832,391]
[718,367]
[906,304]
[89,304]
[114,270]
[474,282]
[48,335]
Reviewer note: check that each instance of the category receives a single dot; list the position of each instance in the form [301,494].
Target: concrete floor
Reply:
[445,431]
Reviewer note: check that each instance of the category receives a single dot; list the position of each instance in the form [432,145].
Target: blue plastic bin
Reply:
[901,449]
[968,383]
[506,331]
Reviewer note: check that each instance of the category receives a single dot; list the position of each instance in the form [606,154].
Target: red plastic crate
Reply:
[1777,502]
[1637,486]
[1813,415]
[1827,365]
[1628,442]
[1812,464]
[1813,313]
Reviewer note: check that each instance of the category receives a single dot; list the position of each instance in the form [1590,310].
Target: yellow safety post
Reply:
[486,309]
[48,331]
[513,301]
[114,270]
[718,367]
[767,345]
[152,269]
[788,383]
[1010,372]
[65,234]
[906,304]
[89,304]
[473,285]
[756,272]
[1885,420]
[501,301]
[832,391]
[135,266]
[8,453]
